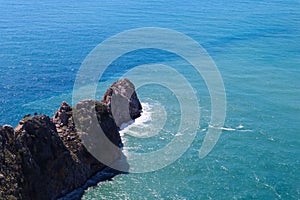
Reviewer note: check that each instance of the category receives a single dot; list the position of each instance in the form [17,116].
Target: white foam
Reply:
[222,128]
[141,121]
[150,122]
[203,130]
[178,134]
[241,129]
[145,115]
[240,126]
[227,129]
[246,130]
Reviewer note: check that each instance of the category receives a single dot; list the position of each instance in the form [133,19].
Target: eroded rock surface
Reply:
[122,101]
[46,158]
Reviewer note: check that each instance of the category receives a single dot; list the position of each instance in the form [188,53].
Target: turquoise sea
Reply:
[255,45]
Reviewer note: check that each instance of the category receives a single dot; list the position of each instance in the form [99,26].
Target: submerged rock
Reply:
[47,158]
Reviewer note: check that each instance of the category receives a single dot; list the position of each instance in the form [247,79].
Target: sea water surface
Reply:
[256,46]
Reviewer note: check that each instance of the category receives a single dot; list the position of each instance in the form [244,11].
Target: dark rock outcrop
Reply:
[46,158]
[46,162]
[122,101]
[11,174]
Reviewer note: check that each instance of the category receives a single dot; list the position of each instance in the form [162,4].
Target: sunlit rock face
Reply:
[122,101]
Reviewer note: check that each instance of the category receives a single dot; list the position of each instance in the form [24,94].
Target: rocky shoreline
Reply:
[45,158]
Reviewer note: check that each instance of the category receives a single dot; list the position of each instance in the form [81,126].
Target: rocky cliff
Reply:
[122,101]
[46,158]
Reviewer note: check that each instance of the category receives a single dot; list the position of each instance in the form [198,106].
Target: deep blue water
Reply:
[256,46]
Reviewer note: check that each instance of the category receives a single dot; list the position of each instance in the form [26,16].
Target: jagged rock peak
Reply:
[122,101]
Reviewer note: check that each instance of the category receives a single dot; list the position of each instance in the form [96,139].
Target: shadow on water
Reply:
[105,175]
